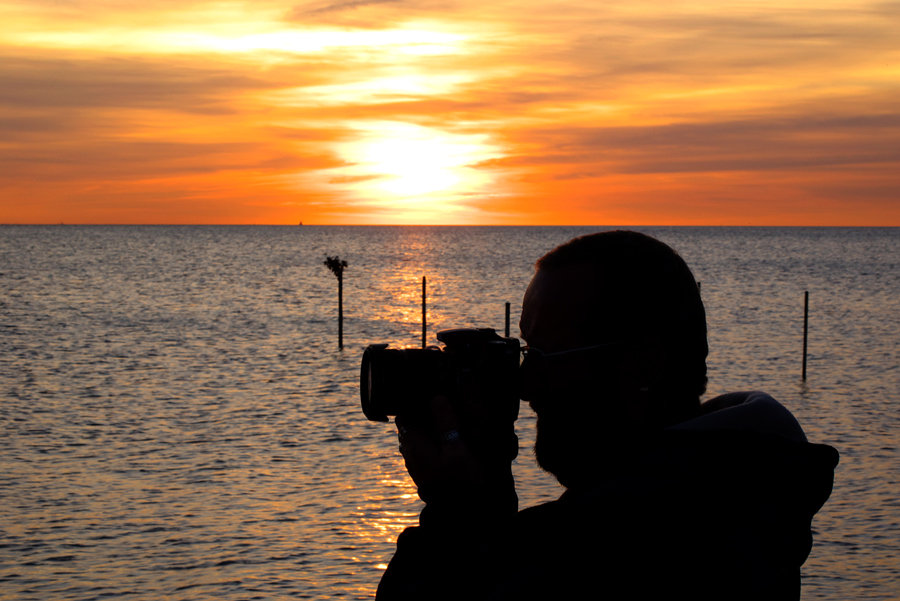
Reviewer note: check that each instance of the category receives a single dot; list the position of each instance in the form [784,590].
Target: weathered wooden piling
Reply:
[424,320]
[805,328]
[507,321]
[337,266]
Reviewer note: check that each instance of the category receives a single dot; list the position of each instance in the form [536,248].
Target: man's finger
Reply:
[445,420]
[454,450]
[402,429]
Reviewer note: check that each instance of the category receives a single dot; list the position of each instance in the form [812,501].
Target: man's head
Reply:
[636,293]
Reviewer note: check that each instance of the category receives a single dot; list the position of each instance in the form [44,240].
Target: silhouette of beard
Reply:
[554,451]
[580,436]
[567,442]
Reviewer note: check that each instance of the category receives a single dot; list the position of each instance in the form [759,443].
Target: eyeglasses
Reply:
[539,372]
[537,356]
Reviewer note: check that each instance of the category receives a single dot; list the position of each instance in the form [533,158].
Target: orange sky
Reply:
[450,111]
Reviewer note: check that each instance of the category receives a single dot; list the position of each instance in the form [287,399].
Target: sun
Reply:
[416,166]
[403,163]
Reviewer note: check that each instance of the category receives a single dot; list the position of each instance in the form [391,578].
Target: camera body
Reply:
[475,366]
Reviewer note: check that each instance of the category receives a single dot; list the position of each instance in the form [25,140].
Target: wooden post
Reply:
[424,321]
[507,320]
[805,328]
[341,312]
[337,266]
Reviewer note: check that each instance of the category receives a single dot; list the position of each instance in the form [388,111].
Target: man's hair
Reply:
[643,288]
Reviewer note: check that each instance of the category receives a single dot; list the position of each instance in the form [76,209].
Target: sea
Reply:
[178,421]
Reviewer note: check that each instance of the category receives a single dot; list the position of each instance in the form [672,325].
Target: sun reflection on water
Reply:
[393,487]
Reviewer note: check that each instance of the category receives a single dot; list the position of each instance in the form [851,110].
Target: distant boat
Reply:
[301,223]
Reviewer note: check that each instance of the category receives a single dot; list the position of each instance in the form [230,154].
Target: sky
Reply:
[450,112]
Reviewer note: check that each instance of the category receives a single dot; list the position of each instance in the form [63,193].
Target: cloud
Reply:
[88,83]
[299,12]
[568,93]
[765,143]
[135,118]
[82,160]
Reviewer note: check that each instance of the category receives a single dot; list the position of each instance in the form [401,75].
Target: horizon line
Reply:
[632,225]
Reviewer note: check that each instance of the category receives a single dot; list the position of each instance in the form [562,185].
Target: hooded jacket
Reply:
[719,507]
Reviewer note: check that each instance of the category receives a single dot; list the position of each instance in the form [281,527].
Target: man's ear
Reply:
[641,365]
[653,361]
[639,380]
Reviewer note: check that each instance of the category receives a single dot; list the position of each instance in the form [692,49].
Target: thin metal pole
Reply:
[805,328]
[424,322]
[507,320]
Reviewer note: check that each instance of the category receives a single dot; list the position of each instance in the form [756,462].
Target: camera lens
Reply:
[392,381]
[369,386]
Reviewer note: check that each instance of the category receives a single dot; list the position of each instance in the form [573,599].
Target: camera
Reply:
[476,364]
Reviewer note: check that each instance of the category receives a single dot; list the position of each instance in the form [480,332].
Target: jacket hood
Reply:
[737,503]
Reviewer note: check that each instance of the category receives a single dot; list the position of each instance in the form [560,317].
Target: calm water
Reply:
[177,422]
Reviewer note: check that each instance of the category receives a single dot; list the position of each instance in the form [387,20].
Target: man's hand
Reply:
[460,459]
[459,454]
[442,459]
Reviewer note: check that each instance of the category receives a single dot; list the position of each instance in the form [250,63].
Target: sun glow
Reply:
[178,39]
[406,87]
[408,41]
[415,168]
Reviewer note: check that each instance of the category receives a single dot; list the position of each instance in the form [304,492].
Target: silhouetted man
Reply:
[665,496]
